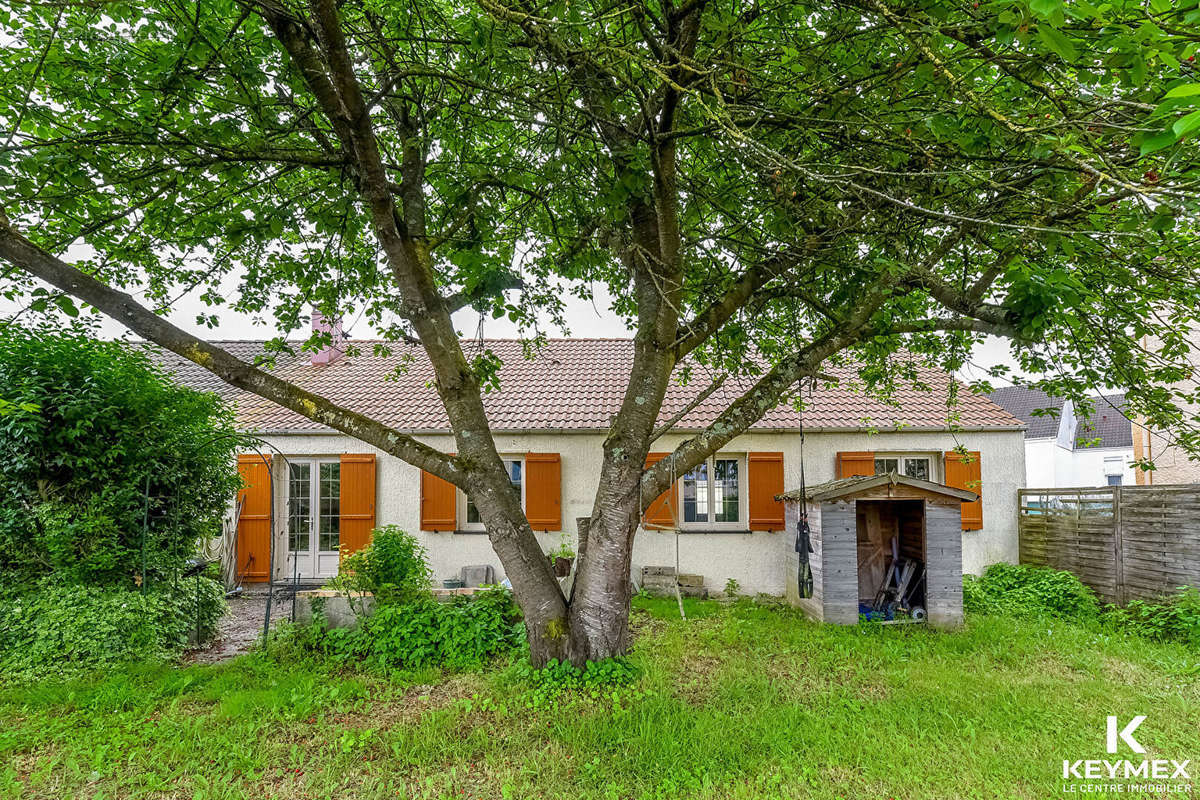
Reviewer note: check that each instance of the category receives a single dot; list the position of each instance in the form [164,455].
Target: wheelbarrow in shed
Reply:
[859,526]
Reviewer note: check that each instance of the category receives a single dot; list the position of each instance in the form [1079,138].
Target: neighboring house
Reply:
[549,419]
[1061,449]
[1171,463]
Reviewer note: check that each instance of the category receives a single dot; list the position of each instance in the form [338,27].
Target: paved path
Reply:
[239,630]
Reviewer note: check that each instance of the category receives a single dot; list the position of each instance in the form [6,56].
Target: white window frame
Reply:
[743,520]
[461,511]
[934,459]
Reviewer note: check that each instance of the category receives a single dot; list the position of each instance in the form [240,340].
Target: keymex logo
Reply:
[1117,737]
[1125,734]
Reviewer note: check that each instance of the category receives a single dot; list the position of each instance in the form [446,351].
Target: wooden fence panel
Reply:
[1125,542]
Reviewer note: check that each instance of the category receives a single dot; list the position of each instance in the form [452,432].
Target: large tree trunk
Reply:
[599,609]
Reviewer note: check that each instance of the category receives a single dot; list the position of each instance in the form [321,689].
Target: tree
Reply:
[764,187]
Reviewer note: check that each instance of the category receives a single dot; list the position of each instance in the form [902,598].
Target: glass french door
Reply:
[314,517]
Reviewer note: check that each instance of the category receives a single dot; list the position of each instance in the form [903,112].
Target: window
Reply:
[516,469]
[1114,480]
[914,466]
[331,502]
[314,501]
[299,506]
[712,493]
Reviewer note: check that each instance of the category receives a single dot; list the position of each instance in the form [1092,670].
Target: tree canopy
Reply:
[763,186]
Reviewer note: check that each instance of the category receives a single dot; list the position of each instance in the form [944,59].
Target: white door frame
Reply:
[312,562]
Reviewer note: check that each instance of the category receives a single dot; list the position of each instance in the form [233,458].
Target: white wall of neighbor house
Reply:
[1041,458]
[1095,466]
[1048,465]
[757,561]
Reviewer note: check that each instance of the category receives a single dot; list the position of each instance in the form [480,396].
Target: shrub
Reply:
[408,628]
[112,477]
[1173,619]
[392,567]
[72,629]
[1022,590]
[463,634]
[89,426]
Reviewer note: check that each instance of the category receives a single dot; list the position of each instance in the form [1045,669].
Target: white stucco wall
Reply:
[755,560]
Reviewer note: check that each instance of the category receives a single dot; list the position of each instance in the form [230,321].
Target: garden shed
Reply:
[888,546]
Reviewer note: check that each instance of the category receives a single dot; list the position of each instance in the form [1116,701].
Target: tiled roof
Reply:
[570,384]
[1108,423]
[1022,402]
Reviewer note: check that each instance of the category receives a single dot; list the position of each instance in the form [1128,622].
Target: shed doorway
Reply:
[891,533]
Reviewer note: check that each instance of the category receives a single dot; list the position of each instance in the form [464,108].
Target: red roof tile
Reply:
[570,384]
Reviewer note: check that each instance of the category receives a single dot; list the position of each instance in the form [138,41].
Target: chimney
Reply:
[333,351]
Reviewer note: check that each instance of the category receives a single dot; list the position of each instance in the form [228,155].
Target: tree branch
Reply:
[717,383]
[25,255]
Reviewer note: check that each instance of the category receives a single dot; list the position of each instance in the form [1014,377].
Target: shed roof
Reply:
[847,487]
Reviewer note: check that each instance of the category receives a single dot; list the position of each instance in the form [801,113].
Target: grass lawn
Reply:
[736,702]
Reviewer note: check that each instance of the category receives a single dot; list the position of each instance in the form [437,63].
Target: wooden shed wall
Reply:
[839,562]
[943,564]
[810,605]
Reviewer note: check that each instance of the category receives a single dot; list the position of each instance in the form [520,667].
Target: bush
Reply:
[88,427]
[1021,590]
[463,634]
[112,477]
[392,567]
[1174,619]
[408,628]
[72,629]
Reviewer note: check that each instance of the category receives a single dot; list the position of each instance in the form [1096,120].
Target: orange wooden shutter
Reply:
[851,464]
[963,472]
[765,473]
[663,512]
[543,491]
[357,505]
[254,522]
[439,503]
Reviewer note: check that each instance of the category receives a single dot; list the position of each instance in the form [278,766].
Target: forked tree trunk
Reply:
[596,624]
[599,608]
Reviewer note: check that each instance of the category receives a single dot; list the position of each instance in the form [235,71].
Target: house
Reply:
[321,491]
[1064,450]
[1172,464]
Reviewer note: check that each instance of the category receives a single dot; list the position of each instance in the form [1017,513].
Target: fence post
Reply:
[1118,548]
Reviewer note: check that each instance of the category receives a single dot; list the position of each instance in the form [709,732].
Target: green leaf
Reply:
[1057,42]
[1157,142]
[1187,124]
[1045,8]
[66,305]
[1183,90]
